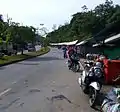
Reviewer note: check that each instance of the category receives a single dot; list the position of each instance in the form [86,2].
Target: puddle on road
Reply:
[21,104]
[53,90]
[62,97]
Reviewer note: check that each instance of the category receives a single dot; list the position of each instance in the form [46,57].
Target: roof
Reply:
[82,42]
[113,38]
[95,45]
[89,41]
[108,40]
[65,43]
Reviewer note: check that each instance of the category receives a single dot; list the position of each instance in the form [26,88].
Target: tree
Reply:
[84,8]
[1,41]
[12,32]
[87,23]
[54,27]
[25,34]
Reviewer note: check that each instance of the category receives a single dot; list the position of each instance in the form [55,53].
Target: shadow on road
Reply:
[44,59]
[24,63]
[99,101]
[2,68]
[62,97]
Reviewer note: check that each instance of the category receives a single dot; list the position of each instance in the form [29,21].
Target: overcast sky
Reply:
[48,12]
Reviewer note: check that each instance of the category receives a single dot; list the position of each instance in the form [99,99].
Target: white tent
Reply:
[53,43]
[71,43]
[81,43]
[65,43]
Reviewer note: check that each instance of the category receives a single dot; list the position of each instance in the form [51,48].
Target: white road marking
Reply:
[4,92]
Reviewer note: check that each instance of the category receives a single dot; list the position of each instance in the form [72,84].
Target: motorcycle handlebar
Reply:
[116,79]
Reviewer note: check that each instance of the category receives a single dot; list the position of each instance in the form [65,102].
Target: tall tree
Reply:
[54,27]
[87,23]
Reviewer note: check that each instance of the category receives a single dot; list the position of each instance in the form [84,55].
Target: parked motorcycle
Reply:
[88,64]
[91,83]
[69,64]
[89,57]
[75,67]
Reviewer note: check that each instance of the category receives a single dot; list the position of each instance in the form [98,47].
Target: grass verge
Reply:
[16,58]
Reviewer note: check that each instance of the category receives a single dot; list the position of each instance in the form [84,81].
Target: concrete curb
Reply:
[12,62]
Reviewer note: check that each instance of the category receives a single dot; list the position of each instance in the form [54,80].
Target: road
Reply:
[42,84]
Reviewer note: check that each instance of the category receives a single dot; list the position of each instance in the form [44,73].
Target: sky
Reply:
[47,12]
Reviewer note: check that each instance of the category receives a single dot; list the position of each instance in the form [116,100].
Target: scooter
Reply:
[75,67]
[69,64]
[91,84]
[88,64]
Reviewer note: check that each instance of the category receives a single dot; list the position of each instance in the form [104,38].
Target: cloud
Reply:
[49,12]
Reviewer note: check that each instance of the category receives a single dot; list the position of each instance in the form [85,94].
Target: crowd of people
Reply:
[71,53]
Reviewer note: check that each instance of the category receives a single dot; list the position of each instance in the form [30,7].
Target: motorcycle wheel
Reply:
[69,65]
[73,68]
[92,97]
[77,68]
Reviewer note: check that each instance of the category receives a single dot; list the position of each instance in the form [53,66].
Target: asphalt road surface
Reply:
[42,84]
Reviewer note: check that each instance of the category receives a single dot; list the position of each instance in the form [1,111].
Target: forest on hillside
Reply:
[87,23]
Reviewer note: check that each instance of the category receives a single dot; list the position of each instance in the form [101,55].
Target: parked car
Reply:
[31,48]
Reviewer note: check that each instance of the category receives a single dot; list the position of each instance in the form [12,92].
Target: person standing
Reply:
[65,52]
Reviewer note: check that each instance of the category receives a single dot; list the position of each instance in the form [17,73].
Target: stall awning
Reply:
[113,38]
[82,42]
[65,43]
[109,40]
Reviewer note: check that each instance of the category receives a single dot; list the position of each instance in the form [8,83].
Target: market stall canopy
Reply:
[54,44]
[113,38]
[82,42]
[88,41]
[109,40]
[65,43]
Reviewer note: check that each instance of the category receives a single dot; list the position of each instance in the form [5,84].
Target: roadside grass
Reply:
[16,58]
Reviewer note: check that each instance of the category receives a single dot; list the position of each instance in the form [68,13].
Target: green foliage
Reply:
[16,58]
[87,23]
[1,41]
[15,33]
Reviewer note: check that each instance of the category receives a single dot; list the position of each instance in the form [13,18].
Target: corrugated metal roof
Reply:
[81,43]
[95,45]
[65,43]
[115,37]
